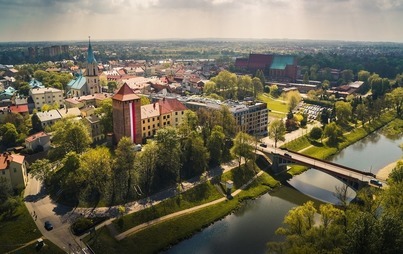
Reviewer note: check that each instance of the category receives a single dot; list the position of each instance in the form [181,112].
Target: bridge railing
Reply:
[332,163]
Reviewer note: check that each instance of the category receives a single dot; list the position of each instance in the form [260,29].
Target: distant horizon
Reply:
[203,39]
[74,20]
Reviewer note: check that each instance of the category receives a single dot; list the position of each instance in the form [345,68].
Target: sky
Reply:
[64,20]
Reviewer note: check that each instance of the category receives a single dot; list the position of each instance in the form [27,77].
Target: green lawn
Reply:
[18,230]
[48,248]
[277,105]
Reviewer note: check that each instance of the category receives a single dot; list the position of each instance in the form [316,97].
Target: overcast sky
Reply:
[58,20]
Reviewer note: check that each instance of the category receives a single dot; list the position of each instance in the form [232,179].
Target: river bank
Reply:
[383,173]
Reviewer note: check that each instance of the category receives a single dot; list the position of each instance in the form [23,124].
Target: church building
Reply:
[89,83]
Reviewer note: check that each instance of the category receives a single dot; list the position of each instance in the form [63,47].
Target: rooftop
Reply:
[125,93]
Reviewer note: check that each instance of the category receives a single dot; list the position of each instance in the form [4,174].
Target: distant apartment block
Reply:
[275,67]
[13,168]
[49,95]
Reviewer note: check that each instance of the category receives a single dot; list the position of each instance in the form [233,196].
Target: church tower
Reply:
[91,74]
[126,115]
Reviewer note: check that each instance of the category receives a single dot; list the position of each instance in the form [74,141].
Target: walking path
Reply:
[180,213]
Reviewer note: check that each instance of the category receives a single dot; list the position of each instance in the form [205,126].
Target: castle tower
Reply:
[126,115]
[92,75]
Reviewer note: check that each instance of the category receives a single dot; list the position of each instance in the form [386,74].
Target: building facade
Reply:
[126,115]
[49,95]
[13,168]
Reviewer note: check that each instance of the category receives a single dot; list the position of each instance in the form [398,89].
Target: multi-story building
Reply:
[126,115]
[250,117]
[13,169]
[95,128]
[49,95]
[48,118]
[165,112]
[38,139]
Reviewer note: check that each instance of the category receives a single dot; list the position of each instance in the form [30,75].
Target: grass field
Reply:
[278,107]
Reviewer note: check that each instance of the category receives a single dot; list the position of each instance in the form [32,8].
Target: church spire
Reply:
[90,57]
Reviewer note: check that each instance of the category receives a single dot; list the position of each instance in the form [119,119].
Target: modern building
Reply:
[250,117]
[275,67]
[13,168]
[89,83]
[49,95]
[127,115]
[165,112]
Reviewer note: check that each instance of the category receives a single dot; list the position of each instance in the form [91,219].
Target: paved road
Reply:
[38,202]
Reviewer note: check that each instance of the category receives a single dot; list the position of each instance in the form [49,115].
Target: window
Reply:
[176,113]
[15,170]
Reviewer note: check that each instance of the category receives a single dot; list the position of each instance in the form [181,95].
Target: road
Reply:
[42,209]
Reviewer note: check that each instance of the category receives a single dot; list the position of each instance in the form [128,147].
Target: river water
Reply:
[248,229]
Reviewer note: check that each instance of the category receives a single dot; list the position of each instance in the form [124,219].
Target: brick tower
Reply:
[126,115]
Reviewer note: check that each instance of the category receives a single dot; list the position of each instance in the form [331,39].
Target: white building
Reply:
[49,95]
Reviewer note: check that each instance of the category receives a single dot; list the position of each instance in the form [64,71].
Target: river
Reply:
[248,229]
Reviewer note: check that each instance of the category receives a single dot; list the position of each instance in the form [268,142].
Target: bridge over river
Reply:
[354,178]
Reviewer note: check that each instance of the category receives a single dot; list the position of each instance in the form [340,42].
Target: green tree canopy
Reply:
[277,131]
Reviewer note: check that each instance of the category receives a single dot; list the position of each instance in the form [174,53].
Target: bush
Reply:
[83,225]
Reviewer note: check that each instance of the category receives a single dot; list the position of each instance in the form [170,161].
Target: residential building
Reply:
[49,95]
[38,139]
[48,118]
[165,112]
[93,123]
[13,168]
[16,109]
[126,115]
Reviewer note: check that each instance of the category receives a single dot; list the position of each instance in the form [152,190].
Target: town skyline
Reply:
[347,20]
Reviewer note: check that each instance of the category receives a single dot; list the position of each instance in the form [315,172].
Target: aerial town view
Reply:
[198,127]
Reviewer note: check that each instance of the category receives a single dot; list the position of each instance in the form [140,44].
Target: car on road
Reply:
[286,154]
[376,182]
[263,145]
[48,225]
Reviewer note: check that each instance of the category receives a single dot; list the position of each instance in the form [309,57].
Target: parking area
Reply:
[313,111]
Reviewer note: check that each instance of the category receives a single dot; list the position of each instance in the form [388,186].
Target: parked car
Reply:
[286,154]
[48,225]
[376,182]
[263,145]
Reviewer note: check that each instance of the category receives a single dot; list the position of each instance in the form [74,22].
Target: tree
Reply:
[144,100]
[188,124]
[306,78]
[147,163]
[215,145]
[5,189]
[343,111]
[9,134]
[105,111]
[362,113]
[124,169]
[226,84]
[112,86]
[209,88]
[169,155]
[243,147]
[260,75]
[244,86]
[257,86]
[347,75]
[95,164]
[293,98]
[274,91]
[71,135]
[277,131]
[397,95]
[36,123]
[42,170]
[332,132]
[195,156]
[316,133]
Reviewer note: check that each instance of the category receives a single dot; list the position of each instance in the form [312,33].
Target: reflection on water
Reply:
[254,224]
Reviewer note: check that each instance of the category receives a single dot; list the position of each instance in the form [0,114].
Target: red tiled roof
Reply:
[19,109]
[6,159]
[170,105]
[35,136]
[125,93]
